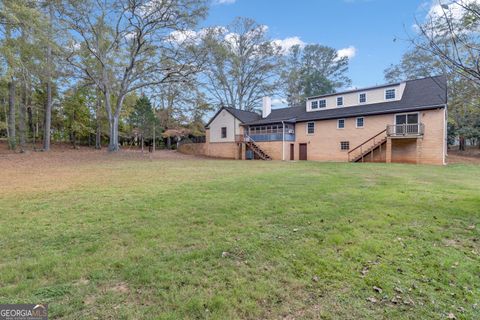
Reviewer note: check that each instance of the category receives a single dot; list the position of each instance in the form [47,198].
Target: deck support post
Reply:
[418,150]
[388,152]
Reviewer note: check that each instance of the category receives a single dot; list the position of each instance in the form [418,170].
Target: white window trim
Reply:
[356,122]
[385,94]
[306,128]
[406,113]
[366,99]
[343,101]
[319,107]
[338,124]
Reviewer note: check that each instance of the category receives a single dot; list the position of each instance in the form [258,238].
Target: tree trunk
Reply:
[48,106]
[142,143]
[461,145]
[6,117]
[113,144]
[12,139]
[98,131]
[154,138]
[169,143]
[21,118]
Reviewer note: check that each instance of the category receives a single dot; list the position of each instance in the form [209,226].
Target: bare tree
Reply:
[131,42]
[451,33]
[243,64]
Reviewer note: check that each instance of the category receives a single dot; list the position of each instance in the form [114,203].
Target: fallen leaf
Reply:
[225,254]
[471,227]
[379,290]
[372,300]
[397,289]
[451,316]
[315,278]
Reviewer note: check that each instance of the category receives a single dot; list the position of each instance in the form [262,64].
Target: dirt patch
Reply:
[470,156]
[120,287]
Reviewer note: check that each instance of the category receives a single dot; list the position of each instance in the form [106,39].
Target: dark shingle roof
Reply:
[420,94]
[243,116]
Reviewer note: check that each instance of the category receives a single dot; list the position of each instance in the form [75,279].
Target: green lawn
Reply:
[207,239]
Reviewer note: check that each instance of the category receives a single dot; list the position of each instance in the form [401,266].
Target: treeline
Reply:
[76,70]
[82,71]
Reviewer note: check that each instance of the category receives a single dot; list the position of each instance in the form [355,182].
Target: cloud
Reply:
[287,43]
[438,9]
[278,101]
[219,2]
[348,52]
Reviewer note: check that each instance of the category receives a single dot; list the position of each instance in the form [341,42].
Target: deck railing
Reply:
[402,130]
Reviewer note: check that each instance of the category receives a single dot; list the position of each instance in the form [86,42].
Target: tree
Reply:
[131,41]
[242,64]
[76,115]
[49,65]
[143,119]
[313,70]
[451,33]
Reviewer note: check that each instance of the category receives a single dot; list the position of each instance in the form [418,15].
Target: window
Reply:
[359,122]
[389,94]
[362,98]
[339,101]
[311,127]
[344,145]
[341,123]
[314,105]
[322,103]
[224,132]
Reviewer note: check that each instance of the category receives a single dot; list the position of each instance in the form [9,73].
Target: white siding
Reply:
[224,119]
[351,99]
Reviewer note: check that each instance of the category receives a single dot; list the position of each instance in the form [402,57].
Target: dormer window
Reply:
[322,103]
[314,105]
[339,101]
[362,97]
[389,94]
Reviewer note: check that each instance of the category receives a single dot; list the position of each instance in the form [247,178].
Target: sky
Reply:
[362,29]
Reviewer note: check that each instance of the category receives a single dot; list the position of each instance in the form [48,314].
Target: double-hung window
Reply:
[362,97]
[224,132]
[389,94]
[341,123]
[359,122]
[322,103]
[314,105]
[339,101]
[310,127]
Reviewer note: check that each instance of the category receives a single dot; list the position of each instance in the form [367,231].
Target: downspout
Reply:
[283,140]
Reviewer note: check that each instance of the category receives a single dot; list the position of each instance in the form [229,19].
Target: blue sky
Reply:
[366,27]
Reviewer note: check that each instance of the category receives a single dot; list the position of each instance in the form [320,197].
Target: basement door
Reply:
[302,152]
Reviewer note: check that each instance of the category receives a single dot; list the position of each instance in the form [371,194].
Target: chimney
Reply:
[266,106]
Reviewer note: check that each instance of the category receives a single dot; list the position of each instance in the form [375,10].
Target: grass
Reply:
[205,239]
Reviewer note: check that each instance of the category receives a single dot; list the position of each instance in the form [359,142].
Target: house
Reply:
[400,122]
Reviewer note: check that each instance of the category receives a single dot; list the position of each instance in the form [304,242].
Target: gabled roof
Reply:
[243,116]
[420,94]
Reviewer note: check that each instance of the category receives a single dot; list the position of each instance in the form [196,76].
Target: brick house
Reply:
[400,122]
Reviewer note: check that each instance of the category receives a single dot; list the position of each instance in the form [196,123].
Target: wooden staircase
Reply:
[256,149]
[365,150]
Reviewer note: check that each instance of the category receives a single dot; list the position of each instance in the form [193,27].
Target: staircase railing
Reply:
[361,147]
[251,143]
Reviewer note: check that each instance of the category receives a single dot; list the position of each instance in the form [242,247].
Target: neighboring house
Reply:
[402,122]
